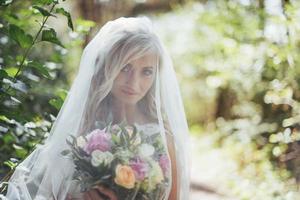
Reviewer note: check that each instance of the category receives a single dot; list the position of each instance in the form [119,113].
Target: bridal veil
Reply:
[45,173]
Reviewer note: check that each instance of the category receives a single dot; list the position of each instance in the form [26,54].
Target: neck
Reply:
[124,112]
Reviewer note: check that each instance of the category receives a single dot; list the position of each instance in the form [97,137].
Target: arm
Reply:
[171,149]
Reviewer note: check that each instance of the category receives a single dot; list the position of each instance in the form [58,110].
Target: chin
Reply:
[130,102]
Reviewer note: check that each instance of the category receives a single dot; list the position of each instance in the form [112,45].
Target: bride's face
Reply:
[135,79]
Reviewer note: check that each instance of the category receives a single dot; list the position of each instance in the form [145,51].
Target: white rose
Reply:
[146,150]
[81,142]
[99,157]
[155,175]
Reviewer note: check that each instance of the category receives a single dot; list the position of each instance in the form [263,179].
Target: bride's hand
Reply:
[93,194]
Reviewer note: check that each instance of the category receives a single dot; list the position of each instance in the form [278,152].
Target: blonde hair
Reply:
[132,45]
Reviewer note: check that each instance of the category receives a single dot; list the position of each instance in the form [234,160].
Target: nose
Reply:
[132,79]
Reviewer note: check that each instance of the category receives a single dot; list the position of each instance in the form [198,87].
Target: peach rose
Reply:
[125,176]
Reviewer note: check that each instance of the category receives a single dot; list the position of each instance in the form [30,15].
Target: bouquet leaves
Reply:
[130,162]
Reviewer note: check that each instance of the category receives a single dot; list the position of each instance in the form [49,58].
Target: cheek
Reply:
[119,80]
[116,85]
[146,85]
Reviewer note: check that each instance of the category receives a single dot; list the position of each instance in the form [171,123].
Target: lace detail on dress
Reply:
[149,128]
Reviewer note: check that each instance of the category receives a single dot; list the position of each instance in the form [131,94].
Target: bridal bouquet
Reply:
[128,161]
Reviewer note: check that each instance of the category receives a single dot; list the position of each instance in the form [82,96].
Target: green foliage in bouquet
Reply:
[123,158]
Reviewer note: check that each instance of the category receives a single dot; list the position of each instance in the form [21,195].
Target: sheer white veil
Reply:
[46,174]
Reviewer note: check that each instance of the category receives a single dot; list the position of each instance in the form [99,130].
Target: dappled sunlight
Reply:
[237,63]
[240,86]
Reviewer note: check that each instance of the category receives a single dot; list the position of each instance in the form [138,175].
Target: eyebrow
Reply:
[148,67]
[142,67]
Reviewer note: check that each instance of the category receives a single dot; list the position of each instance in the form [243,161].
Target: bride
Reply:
[125,76]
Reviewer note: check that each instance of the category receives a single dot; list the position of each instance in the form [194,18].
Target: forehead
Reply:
[146,60]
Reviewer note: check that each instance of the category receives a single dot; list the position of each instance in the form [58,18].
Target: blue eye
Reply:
[148,72]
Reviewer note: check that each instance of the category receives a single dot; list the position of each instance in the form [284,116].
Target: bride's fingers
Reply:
[68,197]
[86,196]
[94,195]
[107,192]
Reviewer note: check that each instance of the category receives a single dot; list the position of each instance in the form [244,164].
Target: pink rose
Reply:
[140,168]
[98,140]
[164,163]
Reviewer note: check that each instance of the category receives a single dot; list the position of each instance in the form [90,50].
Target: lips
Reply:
[129,91]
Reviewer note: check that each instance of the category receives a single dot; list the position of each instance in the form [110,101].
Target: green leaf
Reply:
[43,11]
[8,138]
[43,2]
[50,36]
[11,71]
[3,74]
[4,118]
[115,139]
[42,69]
[61,93]
[19,35]
[134,133]
[123,139]
[56,103]
[5,2]
[68,15]
[10,164]
[85,25]
[65,152]
[20,151]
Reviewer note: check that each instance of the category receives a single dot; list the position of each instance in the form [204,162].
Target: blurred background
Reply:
[238,66]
